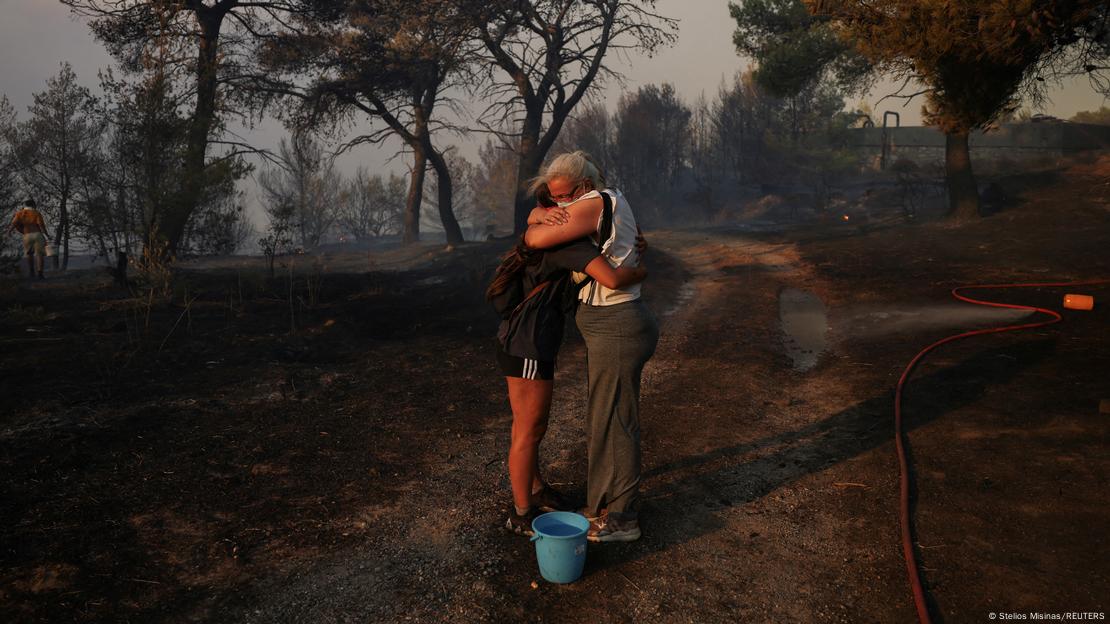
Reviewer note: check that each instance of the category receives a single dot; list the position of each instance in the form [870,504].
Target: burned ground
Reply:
[335,451]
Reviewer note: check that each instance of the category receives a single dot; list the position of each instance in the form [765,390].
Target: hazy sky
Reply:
[37,35]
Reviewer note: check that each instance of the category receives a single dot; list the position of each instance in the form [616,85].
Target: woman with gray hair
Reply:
[620,334]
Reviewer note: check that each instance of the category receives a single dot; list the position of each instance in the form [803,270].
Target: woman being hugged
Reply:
[533,290]
[620,334]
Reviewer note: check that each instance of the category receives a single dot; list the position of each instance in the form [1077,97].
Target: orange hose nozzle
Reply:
[1079,302]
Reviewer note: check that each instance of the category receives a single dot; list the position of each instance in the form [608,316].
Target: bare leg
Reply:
[531,403]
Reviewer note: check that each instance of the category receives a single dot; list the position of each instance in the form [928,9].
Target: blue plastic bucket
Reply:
[560,538]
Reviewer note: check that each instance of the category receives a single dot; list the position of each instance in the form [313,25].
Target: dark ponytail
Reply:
[512,265]
[520,256]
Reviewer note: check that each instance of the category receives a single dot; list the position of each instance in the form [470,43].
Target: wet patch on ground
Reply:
[805,327]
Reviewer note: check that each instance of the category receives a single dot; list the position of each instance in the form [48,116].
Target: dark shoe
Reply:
[550,499]
[605,528]
[521,524]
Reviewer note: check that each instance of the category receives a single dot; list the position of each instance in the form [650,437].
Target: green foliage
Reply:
[793,49]
[976,58]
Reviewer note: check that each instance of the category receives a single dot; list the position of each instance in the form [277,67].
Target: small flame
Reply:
[846,217]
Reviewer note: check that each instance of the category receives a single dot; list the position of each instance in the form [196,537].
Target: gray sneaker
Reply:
[605,528]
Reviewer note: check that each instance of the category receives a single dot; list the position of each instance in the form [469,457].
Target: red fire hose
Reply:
[903,467]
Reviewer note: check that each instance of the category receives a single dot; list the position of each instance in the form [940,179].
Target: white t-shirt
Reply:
[619,249]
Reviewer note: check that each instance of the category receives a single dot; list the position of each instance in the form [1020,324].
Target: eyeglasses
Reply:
[569,197]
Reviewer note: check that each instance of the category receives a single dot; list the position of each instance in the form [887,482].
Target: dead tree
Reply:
[392,61]
[543,57]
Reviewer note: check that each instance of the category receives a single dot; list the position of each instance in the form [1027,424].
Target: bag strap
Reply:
[604,231]
[606,228]
[535,291]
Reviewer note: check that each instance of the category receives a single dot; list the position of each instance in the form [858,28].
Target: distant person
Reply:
[534,290]
[28,222]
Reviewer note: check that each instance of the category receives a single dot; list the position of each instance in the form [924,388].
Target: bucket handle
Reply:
[535,537]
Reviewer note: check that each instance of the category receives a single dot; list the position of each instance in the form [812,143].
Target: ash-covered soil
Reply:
[329,447]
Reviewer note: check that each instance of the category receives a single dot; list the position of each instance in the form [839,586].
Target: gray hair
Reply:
[577,166]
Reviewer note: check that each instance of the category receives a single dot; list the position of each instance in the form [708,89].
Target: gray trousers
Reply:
[620,339]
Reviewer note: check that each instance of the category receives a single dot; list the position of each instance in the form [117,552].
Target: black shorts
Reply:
[524,368]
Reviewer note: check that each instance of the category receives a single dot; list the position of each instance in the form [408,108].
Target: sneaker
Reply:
[550,499]
[607,529]
[521,524]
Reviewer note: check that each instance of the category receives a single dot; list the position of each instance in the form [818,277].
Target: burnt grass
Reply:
[243,451]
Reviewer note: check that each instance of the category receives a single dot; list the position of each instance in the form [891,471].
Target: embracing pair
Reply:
[581,254]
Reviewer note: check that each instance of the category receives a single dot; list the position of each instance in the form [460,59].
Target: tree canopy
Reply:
[205,47]
[794,48]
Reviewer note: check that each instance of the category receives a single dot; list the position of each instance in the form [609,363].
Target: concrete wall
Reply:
[1021,142]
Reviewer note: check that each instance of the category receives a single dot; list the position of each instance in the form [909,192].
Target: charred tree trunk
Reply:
[533,150]
[963,195]
[60,232]
[200,127]
[411,219]
[65,242]
[61,236]
[119,273]
[528,167]
[445,191]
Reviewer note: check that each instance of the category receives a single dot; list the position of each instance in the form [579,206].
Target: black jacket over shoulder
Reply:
[534,330]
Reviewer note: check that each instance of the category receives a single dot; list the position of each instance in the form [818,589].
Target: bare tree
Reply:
[8,179]
[391,60]
[493,186]
[7,155]
[220,226]
[705,155]
[544,56]
[305,190]
[370,206]
[468,213]
[589,128]
[651,136]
